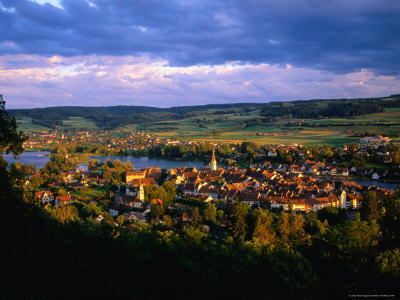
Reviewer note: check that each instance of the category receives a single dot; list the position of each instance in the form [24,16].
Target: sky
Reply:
[187,52]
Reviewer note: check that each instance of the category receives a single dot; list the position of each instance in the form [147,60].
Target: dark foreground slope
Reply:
[41,257]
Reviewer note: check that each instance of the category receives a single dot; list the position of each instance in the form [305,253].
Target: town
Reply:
[121,191]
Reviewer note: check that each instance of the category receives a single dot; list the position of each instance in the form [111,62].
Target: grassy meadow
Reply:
[25,124]
[217,129]
[79,122]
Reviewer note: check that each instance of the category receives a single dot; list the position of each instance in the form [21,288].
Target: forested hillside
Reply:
[329,108]
[118,116]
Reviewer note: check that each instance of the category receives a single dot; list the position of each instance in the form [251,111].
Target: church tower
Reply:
[342,203]
[141,192]
[213,163]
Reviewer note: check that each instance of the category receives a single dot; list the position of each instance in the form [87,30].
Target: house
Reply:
[201,198]
[355,200]
[113,212]
[130,201]
[277,202]
[300,205]
[65,200]
[185,217]
[98,218]
[319,203]
[343,171]
[272,153]
[142,181]
[130,175]
[137,192]
[375,139]
[134,216]
[44,197]
[294,169]
[250,198]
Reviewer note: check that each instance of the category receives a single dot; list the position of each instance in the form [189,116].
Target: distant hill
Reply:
[116,116]
[308,109]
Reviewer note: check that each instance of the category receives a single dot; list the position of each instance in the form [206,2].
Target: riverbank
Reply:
[40,158]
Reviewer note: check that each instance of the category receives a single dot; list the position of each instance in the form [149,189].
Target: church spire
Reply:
[213,163]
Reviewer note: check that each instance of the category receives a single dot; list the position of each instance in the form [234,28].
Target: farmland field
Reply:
[250,126]
[90,192]
[25,124]
[79,122]
[223,129]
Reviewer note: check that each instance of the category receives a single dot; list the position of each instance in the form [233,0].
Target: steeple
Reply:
[213,163]
[141,192]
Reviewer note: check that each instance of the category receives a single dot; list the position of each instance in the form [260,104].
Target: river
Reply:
[40,159]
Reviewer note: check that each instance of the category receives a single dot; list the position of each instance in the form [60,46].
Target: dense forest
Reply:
[117,116]
[329,108]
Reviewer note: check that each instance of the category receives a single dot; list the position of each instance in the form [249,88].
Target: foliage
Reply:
[64,213]
[193,234]
[264,232]
[196,218]
[10,139]
[370,206]
[210,212]
[327,108]
[237,219]
[332,215]
[389,262]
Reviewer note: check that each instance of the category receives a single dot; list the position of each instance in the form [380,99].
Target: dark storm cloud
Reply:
[336,36]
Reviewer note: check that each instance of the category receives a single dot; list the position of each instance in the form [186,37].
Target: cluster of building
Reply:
[309,186]
[131,141]
[47,197]
[287,186]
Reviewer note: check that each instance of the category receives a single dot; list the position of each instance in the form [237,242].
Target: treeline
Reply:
[48,123]
[116,116]
[328,108]
[370,133]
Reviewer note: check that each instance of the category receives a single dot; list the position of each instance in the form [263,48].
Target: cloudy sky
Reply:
[185,52]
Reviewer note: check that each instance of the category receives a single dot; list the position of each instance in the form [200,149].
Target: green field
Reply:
[79,122]
[25,124]
[89,192]
[217,128]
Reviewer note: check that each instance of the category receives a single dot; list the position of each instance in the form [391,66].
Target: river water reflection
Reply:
[40,158]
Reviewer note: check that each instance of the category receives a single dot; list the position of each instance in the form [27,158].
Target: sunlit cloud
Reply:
[106,80]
